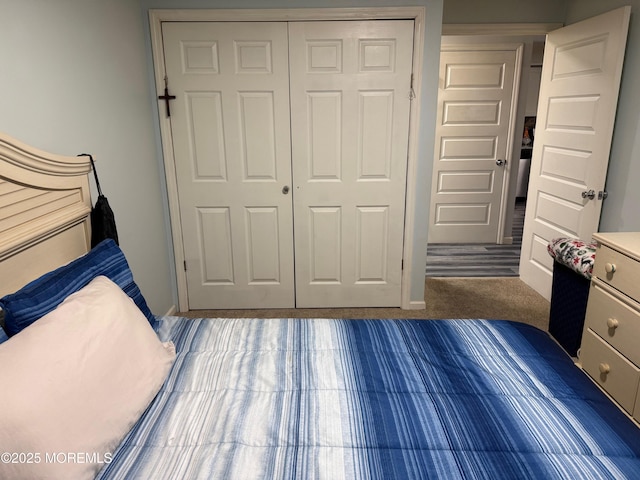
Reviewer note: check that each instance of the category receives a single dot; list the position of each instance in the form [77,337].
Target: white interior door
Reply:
[576,113]
[350,101]
[477,97]
[230,129]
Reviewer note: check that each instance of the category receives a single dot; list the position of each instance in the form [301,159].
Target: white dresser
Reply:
[610,350]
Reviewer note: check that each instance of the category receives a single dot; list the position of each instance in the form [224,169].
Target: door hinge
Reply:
[185,265]
[412,92]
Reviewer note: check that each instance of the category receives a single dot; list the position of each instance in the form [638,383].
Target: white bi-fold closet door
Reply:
[290,149]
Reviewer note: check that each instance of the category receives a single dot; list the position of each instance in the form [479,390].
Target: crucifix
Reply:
[166,97]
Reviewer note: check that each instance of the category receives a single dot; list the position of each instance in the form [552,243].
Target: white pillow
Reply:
[73,384]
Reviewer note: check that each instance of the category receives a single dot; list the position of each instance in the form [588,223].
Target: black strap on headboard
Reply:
[103,221]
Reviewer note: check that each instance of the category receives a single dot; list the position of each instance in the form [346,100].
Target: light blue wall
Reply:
[73,79]
[504,11]
[77,77]
[620,212]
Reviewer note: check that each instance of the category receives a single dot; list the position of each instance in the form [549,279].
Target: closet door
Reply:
[230,132]
[350,101]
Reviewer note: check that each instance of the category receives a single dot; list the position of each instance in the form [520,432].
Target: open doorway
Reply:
[467,253]
[578,94]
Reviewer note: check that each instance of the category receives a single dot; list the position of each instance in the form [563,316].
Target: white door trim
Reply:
[500,29]
[418,14]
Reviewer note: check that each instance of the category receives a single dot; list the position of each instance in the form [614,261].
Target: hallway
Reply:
[478,259]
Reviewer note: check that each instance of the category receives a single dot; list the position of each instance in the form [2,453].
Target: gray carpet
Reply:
[459,298]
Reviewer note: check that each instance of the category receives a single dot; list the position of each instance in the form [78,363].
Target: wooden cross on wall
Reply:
[166,97]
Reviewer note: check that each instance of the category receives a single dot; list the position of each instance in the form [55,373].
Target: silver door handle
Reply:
[501,162]
[590,194]
[285,189]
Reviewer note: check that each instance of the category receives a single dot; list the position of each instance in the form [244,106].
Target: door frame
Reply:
[418,14]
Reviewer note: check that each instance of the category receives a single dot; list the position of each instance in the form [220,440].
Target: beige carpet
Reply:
[505,298]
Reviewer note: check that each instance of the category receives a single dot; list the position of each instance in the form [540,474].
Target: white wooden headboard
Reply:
[45,204]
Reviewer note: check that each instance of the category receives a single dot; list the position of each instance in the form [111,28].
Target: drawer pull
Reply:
[610,267]
[613,323]
[604,368]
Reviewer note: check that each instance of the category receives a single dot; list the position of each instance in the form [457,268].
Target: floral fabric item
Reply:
[575,254]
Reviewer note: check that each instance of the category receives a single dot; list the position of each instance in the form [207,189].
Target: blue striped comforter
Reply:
[405,399]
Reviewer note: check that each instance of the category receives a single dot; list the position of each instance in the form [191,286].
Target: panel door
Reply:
[350,101]
[476,98]
[576,113]
[231,139]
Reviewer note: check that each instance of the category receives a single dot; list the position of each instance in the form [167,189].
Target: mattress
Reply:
[376,399]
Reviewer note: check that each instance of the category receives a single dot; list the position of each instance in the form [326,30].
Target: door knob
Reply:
[501,162]
[590,194]
[285,189]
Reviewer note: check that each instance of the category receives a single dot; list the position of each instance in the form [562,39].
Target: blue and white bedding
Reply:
[313,398]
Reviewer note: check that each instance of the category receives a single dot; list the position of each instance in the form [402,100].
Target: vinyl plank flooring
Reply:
[478,260]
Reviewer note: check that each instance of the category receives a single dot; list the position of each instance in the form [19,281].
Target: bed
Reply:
[96,385]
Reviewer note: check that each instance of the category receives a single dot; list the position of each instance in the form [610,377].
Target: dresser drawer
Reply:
[616,375]
[615,318]
[624,271]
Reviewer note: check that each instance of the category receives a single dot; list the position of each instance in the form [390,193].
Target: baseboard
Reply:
[171,311]
[415,305]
